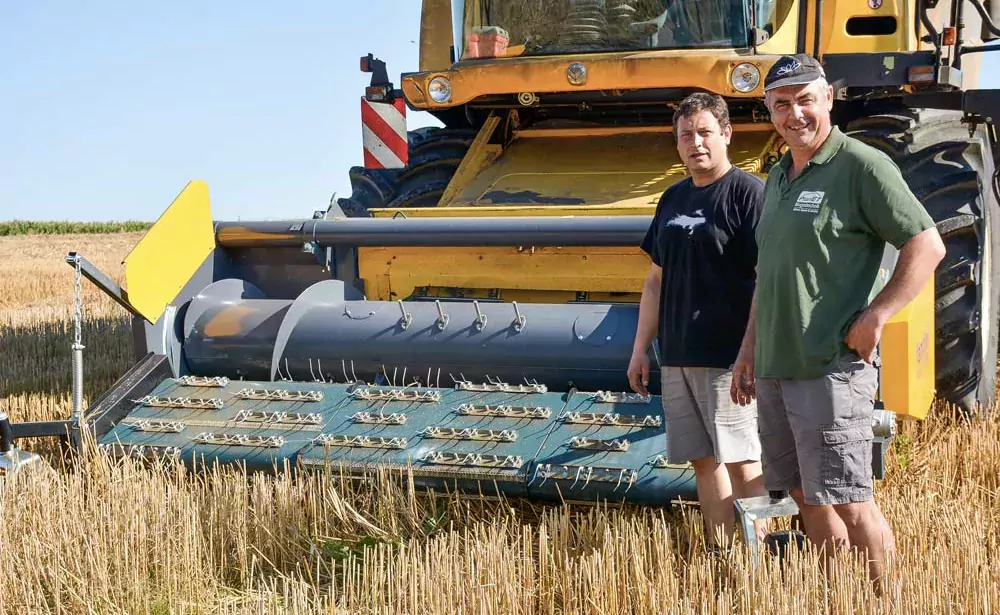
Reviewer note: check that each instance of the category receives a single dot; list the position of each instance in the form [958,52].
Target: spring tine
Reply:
[545,476]
[354,375]
[438,379]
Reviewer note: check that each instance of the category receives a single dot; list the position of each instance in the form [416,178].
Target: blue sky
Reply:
[110,107]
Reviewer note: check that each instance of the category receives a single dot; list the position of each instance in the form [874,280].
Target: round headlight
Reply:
[440,89]
[745,78]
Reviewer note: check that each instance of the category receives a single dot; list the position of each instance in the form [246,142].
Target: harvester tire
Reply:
[954,176]
[434,156]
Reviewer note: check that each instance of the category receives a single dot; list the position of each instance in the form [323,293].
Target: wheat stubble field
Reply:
[98,537]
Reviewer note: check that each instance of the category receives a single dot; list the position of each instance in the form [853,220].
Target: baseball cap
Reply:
[798,69]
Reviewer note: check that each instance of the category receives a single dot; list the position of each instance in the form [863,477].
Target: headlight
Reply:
[745,78]
[440,89]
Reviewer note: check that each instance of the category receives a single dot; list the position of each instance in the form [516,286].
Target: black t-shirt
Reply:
[703,238]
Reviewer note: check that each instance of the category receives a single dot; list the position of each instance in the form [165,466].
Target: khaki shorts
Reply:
[701,419]
[817,434]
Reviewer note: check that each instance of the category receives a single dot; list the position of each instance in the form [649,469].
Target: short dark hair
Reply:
[703,101]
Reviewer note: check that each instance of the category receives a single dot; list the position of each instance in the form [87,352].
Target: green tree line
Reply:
[29,227]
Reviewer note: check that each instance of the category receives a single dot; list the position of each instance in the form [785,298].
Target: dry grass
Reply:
[118,538]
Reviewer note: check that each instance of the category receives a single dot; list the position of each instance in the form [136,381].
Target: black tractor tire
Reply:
[954,176]
[434,156]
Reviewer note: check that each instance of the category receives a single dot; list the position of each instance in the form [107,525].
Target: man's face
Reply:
[701,142]
[801,113]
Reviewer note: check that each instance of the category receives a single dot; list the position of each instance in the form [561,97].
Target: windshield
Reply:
[510,28]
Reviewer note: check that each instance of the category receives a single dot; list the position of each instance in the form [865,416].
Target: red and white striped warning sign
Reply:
[383,133]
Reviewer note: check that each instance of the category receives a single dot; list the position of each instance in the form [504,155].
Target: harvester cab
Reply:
[468,312]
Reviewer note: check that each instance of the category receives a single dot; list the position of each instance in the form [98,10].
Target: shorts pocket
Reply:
[847,456]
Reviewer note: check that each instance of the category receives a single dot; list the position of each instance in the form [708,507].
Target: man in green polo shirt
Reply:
[830,206]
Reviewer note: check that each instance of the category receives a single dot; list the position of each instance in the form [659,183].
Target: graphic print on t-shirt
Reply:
[688,222]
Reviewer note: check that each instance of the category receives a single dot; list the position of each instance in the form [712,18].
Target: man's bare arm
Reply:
[741,390]
[918,258]
[646,329]
[649,306]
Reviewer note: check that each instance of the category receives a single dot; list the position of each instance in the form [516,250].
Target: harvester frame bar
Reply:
[102,281]
[440,232]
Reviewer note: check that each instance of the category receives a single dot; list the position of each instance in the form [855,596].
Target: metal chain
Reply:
[77,307]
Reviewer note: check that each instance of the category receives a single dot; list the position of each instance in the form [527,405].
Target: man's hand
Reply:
[638,372]
[743,388]
[865,333]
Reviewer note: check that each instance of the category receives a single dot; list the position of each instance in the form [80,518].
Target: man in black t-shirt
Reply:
[695,302]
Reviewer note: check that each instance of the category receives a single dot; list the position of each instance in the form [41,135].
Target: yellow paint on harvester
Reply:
[908,372]
[171,251]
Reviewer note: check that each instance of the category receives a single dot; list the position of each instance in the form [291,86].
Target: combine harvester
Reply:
[469,311]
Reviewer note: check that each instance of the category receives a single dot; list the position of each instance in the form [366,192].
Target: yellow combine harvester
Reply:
[469,311]
[562,107]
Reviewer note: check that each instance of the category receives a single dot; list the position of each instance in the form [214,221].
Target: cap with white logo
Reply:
[798,69]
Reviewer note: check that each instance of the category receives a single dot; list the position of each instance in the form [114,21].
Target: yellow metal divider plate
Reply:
[169,253]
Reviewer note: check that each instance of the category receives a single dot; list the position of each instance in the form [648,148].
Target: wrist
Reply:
[879,314]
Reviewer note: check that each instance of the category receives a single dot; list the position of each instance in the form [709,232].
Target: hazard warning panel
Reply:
[383,134]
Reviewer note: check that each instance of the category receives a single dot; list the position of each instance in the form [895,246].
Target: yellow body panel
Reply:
[435,35]
[616,169]
[835,38]
[632,70]
[785,35]
[170,252]
[491,211]
[908,379]
[529,274]
[481,154]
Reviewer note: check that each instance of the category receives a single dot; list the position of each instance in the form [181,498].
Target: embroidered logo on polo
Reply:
[809,201]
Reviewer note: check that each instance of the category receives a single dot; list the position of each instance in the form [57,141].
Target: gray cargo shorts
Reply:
[817,434]
[702,420]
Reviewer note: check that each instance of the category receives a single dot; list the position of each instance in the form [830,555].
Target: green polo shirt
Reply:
[821,238]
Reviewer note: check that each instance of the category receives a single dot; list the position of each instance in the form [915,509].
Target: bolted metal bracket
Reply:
[406,319]
[519,318]
[480,321]
[443,318]
[748,510]
[13,460]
